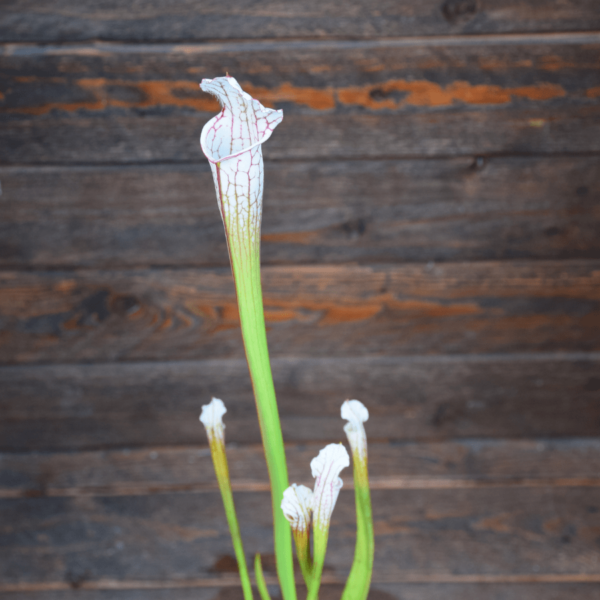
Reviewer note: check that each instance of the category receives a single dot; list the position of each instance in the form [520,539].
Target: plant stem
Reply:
[359,580]
[260,579]
[302,539]
[217,450]
[320,536]
[245,263]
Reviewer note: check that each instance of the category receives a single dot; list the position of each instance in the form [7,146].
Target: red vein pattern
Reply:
[232,143]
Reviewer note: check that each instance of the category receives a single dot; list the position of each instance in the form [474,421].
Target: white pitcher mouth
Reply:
[210,157]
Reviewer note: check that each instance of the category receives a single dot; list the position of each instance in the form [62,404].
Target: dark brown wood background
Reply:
[430,244]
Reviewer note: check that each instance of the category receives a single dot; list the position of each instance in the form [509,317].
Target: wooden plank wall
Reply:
[430,246]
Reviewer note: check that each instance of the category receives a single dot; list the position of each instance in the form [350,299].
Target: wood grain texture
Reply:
[110,103]
[446,535]
[396,75]
[159,20]
[364,211]
[310,310]
[446,465]
[380,591]
[428,398]
[431,247]
[127,140]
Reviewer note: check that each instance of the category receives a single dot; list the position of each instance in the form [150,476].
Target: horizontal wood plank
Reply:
[479,591]
[111,103]
[310,310]
[379,591]
[436,398]
[445,535]
[306,78]
[34,20]
[127,140]
[456,465]
[364,211]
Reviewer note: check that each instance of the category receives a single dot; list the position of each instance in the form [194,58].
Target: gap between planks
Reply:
[531,357]
[395,483]
[107,48]
[165,164]
[229,581]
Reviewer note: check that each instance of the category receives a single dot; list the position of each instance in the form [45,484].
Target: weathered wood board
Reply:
[310,310]
[127,140]
[433,465]
[445,533]
[341,99]
[379,591]
[305,77]
[74,407]
[340,211]
[160,20]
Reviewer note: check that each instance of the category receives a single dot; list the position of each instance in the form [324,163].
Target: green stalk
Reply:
[359,580]
[244,253]
[321,536]
[260,579]
[217,451]
[302,539]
